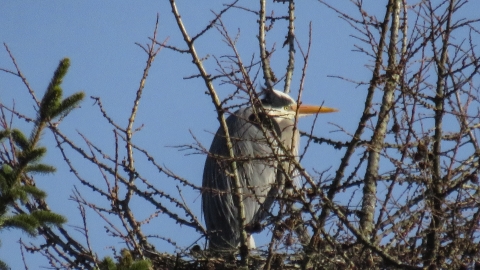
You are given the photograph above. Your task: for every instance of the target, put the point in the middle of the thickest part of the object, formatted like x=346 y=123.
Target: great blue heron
x=257 y=175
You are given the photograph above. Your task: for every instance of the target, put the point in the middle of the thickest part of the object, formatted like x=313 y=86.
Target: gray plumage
x=257 y=170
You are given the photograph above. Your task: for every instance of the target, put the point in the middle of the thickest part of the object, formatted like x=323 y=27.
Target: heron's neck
x=289 y=134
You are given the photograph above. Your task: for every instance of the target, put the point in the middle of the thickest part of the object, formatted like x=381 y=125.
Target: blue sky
x=99 y=38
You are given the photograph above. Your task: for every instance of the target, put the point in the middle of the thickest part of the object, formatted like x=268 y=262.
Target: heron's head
x=279 y=104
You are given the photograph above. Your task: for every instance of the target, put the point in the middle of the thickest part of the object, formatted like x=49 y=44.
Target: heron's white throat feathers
x=287 y=112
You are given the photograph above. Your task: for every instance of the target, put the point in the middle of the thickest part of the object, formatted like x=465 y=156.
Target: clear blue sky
x=99 y=37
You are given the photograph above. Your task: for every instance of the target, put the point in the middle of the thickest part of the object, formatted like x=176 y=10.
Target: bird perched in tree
x=254 y=133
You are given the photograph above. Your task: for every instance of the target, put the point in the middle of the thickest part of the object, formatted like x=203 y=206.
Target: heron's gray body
x=256 y=149
x=257 y=172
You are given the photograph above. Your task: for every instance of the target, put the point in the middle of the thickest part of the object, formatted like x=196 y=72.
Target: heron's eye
x=286 y=108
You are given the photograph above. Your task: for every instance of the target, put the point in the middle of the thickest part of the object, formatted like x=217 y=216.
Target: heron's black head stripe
x=274 y=100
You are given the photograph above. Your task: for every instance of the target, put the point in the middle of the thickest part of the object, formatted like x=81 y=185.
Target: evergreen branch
x=35 y=192
x=68 y=104
x=4 y=134
x=50 y=102
x=20 y=139
x=46 y=218
x=50 y=106
x=15 y=193
x=40 y=168
x=14 y=183
x=25 y=222
x=3 y=266
x=31 y=156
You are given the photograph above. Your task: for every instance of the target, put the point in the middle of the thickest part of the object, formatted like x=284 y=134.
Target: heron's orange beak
x=312 y=109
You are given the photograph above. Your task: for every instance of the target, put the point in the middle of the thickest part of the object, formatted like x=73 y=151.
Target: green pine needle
x=51 y=99
x=4 y=266
x=3 y=181
x=17 y=192
x=20 y=139
x=40 y=168
x=6 y=169
x=51 y=105
x=50 y=102
x=48 y=218
x=4 y=134
x=61 y=71
x=68 y=104
x=141 y=265
x=34 y=192
x=33 y=155
x=25 y=222
x=107 y=264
